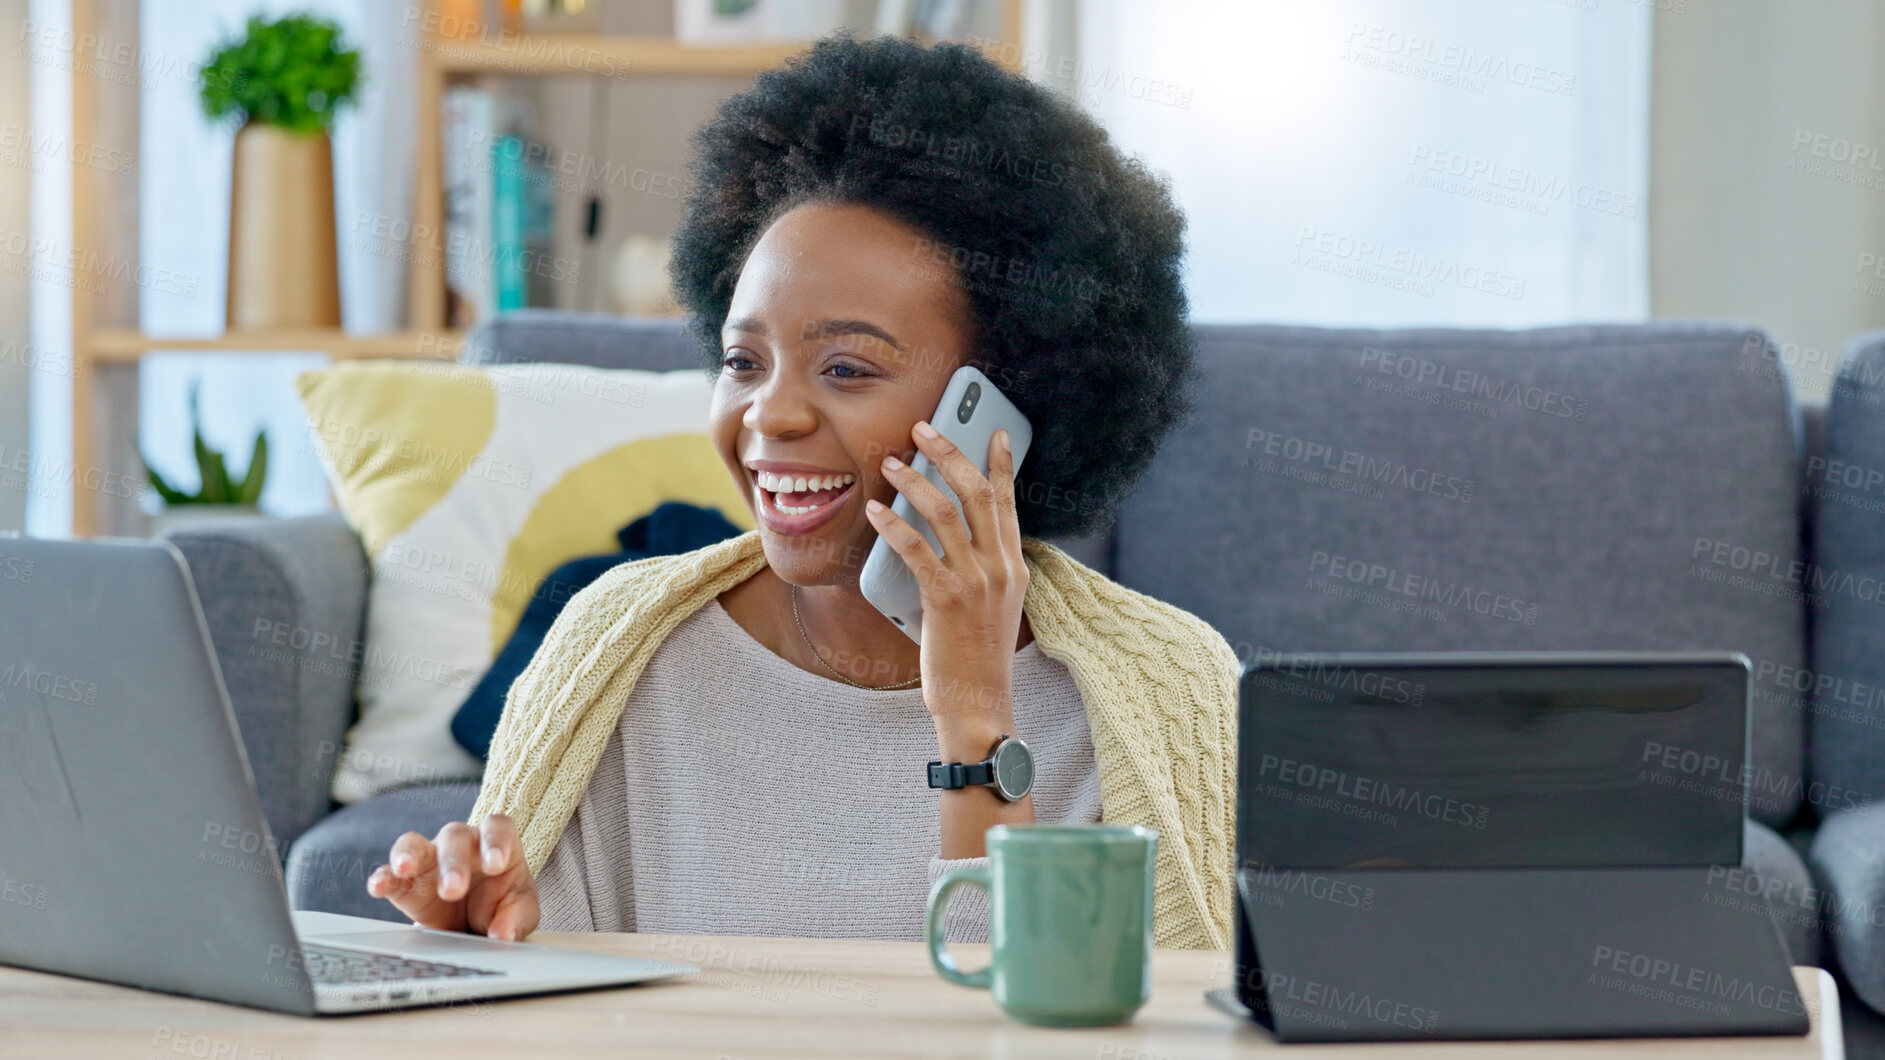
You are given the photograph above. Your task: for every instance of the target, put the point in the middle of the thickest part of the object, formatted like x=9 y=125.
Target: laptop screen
x=1405 y=761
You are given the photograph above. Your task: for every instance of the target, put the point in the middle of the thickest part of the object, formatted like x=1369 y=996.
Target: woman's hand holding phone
x=972 y=594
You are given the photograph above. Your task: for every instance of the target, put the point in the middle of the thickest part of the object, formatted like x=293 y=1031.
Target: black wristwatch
x=1009 y=769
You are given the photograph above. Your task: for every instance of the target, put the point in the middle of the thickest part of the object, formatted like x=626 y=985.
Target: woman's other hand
x=463 y=879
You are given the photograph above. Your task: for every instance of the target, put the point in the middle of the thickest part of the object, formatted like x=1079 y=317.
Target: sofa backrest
x=1845 y=686
x=599 y=340
x=1604 y=487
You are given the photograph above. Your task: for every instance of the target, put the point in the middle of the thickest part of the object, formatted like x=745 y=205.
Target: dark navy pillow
x=672 y=528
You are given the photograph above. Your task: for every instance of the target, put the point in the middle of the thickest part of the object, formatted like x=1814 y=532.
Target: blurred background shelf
x=123 y=344
x=612 y=55
x=607 y=101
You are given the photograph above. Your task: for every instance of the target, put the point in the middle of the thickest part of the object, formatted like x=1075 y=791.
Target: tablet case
x=1432 y=954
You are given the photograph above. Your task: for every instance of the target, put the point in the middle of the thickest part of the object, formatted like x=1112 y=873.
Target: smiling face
x=842 y=333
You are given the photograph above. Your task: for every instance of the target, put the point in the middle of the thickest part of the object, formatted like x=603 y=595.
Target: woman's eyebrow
x=819 y=329
x=828 y=328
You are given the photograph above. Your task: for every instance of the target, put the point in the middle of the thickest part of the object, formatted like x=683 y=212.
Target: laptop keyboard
x=333 y=964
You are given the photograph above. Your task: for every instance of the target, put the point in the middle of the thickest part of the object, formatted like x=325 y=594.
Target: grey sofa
x=1601 y=487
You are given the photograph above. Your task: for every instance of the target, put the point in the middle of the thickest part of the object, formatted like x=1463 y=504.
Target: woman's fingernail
x=923 y=428
x=892 y=463
x=873 y=506
x=1003 y=435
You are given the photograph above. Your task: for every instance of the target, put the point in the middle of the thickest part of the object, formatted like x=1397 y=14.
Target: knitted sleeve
x=1161 y=688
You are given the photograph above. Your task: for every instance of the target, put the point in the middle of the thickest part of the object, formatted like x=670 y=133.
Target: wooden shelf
x=608 y=56
x=124 y=344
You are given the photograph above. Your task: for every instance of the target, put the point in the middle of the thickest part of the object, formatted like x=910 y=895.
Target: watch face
x=1014 y=769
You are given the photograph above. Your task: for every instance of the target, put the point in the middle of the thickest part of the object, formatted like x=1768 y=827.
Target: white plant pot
x=174 y=516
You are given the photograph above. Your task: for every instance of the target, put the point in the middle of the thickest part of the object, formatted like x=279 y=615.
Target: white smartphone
x=970 y=413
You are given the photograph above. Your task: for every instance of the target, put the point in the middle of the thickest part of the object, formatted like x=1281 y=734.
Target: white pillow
x=468 y=486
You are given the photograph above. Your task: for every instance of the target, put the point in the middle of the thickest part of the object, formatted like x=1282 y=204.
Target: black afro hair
x=1068 y=250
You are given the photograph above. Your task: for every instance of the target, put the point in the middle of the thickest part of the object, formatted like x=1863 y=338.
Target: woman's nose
x=779 y=409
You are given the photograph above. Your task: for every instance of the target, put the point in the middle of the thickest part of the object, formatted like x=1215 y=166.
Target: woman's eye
x=733 y=361
x=856 y=372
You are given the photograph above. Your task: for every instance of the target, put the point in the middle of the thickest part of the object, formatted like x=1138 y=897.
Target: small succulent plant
x=218 y=486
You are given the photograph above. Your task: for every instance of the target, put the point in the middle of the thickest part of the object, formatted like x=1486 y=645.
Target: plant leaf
x=215 y=480
x=209 y=463
x=169 y=493
x=251 y=489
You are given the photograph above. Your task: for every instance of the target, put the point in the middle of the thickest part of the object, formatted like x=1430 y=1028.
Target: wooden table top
x=755 y=997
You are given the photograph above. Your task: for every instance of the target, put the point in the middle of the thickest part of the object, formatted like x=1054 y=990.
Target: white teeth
x=781 y=484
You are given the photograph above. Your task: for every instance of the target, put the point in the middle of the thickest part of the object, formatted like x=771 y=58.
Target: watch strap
x=952 y=775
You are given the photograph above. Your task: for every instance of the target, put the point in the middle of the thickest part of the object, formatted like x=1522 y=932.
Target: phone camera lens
x=969 y=398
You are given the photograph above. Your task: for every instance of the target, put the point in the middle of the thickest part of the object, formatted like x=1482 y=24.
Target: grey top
x=763 y=799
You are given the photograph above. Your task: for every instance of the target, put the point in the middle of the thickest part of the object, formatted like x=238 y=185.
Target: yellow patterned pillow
x=468 y=486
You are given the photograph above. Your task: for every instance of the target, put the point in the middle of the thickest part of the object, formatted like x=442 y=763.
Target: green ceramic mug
x=1070 y=922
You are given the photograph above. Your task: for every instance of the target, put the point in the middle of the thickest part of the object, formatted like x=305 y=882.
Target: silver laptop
x=132 y=843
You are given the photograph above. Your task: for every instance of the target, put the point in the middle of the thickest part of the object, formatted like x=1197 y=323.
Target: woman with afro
x=733 y=740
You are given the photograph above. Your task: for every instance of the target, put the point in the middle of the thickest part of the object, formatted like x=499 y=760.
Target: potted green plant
x=219 y=492
x=282 y=83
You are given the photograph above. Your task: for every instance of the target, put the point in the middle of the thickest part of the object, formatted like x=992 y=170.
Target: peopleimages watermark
x=1378 y=576
x=1454 y=65
x=1784 y=900
x=495 y=44
x=1277 y=883
x=102 y=58
x=85 y=270
x=21 y=148
x=1838 y=159
x=1326 y=676
x=962 y=150
x=17 y=568
x=1329 y=1005
x=1772 y=574
x=1398 y=268
x=47 y=683
x=1835 y=697
x=1869 y=280
x=1364 y=791
x=235 y=847
x=204 y=1047
x=1303 y=454
x=1439 y=376
x=19 y=893
x=1516 y=187
x=397 y=239
x=996 y=273
x=1844 y=482
x=1085 y=77
x=1764 y=786
x=760 y=971
x=410 y=458
x=1662 y=979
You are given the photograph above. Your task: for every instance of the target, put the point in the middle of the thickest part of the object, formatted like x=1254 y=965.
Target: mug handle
x=939 y=957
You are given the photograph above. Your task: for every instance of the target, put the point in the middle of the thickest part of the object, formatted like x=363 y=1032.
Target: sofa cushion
x=329 y=865
x=468 y=486
x=1602 y=487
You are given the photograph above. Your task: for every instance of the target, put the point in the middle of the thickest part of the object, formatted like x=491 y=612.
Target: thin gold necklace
x=833 y=669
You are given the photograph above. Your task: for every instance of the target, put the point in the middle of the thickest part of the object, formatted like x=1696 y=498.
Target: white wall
x=17 y=161
x=1478 y=163
x=1767 y=172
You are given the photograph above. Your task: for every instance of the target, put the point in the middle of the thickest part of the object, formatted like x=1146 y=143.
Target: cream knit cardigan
x=1159 y=684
